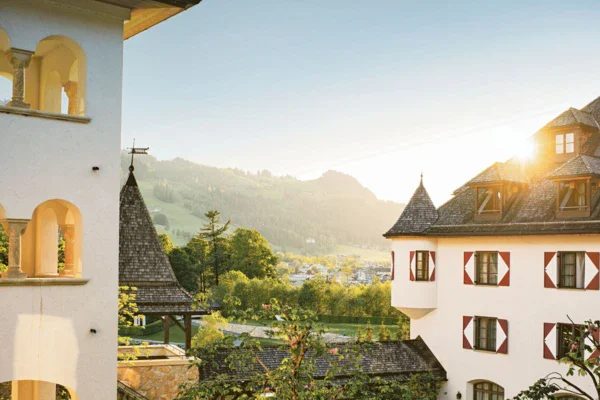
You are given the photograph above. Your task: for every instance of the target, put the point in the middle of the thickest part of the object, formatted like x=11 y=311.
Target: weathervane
x=136 y=150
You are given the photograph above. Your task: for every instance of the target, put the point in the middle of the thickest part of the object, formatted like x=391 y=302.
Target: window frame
x=576 y=210
x=490 y=322
x=478 y=257
x=561 y=347
x=564 y=143
x=560 y=284
x=424 y=265
x=490 y=392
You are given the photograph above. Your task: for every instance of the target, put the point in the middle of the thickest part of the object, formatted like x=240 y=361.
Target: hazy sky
x=380 y=89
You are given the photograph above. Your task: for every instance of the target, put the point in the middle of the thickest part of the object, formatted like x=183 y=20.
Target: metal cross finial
x=136 y=150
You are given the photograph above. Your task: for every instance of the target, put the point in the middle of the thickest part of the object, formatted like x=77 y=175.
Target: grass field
x=176 y=334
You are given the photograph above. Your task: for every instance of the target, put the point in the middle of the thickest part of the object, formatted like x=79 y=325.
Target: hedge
x=342 y=319
x=131 y=331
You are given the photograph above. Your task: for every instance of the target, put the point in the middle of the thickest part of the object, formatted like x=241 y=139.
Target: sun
x=526 y=150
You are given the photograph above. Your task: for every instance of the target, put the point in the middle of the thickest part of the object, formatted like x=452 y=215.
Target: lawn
x=176 y=334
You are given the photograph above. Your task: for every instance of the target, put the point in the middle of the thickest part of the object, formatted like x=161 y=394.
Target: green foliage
x=184 y=269
x=136 y=331
x=250 y=253
x=211 y=330
x=218 y=249
x=334 y=209
x=577 y=364
x=128 y=311
x=384 y=333
x=166 y=243
x=161 y=219
x=295 y=378
x=3 y=250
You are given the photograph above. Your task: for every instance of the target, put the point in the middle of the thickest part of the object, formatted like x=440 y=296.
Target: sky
x=382 y=90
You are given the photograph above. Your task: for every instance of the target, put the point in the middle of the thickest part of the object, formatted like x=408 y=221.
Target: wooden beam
x=187 y=320
x=167 y=326
x=177 y=323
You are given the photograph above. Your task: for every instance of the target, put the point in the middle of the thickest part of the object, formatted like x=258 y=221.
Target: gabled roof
x=582 y=165
x=142 y=261
x=572 y=116
x=392 y=360
x=418 y=215
x=500 y=172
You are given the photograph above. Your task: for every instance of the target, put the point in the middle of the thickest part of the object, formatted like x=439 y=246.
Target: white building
x=60 y=173
x=491 y=278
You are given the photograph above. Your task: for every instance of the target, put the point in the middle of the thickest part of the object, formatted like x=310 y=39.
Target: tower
x=60 y=200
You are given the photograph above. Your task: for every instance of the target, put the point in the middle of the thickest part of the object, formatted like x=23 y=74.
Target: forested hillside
x=334 y=209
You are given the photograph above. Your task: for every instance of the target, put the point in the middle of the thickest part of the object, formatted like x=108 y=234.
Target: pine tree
x=369 y=336
x=213 y=233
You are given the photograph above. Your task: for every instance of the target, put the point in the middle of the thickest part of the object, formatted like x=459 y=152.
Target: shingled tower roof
x=418 y=216
x=142 y=261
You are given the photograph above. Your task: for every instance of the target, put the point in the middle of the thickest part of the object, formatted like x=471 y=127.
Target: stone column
x=15 y=229
x=68 y=233
x=19 y=59
x=71 y=92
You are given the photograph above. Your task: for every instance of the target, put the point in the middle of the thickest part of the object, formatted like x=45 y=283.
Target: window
x=422 y=266
x=488 y=391
x=572 y=195
x=571 y=269
x=485 y=333
x=489 y=200
x=486 y=272
x=565 y=143
x=569 y=334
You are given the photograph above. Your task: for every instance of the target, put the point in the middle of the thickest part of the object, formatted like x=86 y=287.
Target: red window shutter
x=432 y=266
x=550 y=340
x=412 y=266
x=504 y=268
x=591 y=271
x=469 y=265
x=594 y=353
x=502 y=336
x=468 y=331
x=393 y=264
x=550 y=269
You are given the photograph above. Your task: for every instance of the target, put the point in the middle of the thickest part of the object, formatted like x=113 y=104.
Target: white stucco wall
x=45 y=331
x=526 y=304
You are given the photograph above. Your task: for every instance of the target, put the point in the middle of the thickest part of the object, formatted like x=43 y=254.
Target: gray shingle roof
x=501 y=172
x=582 y=165
x=393 y=359
x=572 y=116
x=418 y=215
x=142 y=262
x=530 y=211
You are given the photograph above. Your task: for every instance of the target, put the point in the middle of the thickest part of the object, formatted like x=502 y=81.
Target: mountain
x=334 y=209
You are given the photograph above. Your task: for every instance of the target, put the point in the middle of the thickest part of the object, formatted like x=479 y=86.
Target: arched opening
x=5 y=70
x=59 y=65
x=486 y=390
x=52 y=242
x=35 y=390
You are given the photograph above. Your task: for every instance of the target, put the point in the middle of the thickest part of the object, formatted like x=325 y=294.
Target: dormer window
x=565 y=143
x=488 y=202
x=573 y=198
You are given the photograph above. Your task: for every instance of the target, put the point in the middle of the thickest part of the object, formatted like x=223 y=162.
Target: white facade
x=437 y=307
x=63 y=329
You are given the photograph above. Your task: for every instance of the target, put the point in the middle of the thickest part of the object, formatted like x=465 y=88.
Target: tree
x=198 y=252
x=213 y=233
x=211 y=331
x=161 y=219
x=296 y=377
x=384 y=333
x=184 y=270
x=128 y=311
x=250 y=253
x=583 y=359
x=165 y=241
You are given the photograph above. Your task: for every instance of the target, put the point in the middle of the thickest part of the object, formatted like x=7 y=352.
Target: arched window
x=5 y=70
x=487 y=391
x=60 y=62
x=51 y=245
x=17 y=390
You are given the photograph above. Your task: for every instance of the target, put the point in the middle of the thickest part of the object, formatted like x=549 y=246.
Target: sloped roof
x=390 y=359
x=532 y=210
x=572 y=116
x=582 y=165
x=500 y=172
x=418 y=215
x=142 y=261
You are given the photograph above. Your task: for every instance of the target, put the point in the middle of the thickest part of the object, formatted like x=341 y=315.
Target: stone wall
x=157 y=382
